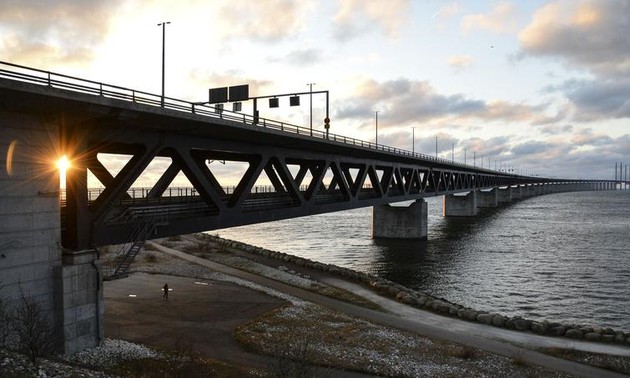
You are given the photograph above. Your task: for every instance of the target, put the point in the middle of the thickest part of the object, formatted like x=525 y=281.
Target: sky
x=541 y=87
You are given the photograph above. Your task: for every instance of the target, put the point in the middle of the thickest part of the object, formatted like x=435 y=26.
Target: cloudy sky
x=541 y=86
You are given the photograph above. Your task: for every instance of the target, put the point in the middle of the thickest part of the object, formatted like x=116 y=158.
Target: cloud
x=447 y=11
x=585 y=34
x=502 y=19
x=357 y=17
x=587 y=138
x=460 y=62
x=300 y=58
x=405 y=101
x=52 y=33
x=596 y=99
x=266 y=21
x=213 y=80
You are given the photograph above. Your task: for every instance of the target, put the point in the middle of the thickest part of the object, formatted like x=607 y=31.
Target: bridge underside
x=302 y=182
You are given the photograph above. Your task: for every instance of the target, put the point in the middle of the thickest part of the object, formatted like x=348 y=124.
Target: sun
x=63 y=164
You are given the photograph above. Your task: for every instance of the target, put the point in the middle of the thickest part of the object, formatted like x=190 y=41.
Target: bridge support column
x=515 y=192
x=488 y=199
x=79 y=300
x=393 y=222
x=33 y=266
x=460 y=206
x=504 y=195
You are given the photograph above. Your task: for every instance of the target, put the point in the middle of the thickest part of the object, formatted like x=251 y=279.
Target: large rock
x=538 y=328
x=574 y=333
x=592 y=336
x=556 y=330
x=522 y=324
x=498 y=320
x=485 y=318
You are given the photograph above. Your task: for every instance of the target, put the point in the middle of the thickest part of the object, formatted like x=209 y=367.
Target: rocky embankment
x=439 y=305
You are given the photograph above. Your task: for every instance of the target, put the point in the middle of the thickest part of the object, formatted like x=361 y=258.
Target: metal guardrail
x=55 y=80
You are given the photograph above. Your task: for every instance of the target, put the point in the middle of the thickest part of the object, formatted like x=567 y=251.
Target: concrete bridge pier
x=460 y=206
x=515 y=192
x=488 y=199
x=504 y=195
x=398 y=222
x=34 y=267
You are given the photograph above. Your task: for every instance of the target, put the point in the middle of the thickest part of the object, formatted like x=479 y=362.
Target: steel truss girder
x=338 y=181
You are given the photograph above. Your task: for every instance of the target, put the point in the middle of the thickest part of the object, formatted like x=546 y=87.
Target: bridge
x=48 y=240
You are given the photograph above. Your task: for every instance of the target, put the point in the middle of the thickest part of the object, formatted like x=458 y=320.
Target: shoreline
x=441 y=306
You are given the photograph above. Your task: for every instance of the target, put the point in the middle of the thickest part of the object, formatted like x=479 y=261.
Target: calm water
x=561 y=257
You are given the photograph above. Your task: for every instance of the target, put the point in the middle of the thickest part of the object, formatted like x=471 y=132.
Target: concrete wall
x=400 y=222
x=31 y=263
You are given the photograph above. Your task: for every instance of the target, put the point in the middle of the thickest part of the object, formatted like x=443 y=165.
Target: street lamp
x=452 y=152
x=163 y=25
x=474 y=158
x=465 y=156
x=436 y=149
x=376 y=124
x=413 y=140
x=311 y=100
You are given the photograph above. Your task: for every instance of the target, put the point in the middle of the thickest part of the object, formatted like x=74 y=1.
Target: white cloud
x=585 y=34
x=357 y=17
x=460 y=62
x=53 y=33
x=502 y=19
x=270 y=20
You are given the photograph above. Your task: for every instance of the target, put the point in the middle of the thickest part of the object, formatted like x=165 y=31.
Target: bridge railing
x=51 y=79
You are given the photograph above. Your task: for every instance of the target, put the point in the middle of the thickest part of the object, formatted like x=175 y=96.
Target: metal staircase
x=119 y=265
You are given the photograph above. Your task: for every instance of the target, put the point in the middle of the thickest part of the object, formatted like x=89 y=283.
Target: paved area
x=197 y=316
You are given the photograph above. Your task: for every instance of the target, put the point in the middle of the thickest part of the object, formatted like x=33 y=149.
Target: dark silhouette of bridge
x=310 y=171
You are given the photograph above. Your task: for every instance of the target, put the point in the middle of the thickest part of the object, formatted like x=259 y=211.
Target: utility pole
x=163 y=25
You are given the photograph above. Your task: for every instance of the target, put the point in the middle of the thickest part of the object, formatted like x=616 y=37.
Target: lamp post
x=163 y=25
x=311 y=102
x=436 y=147
x=465 y=156
x=474 y=158
x=413 y=140
x=376 y=124
x=452 y=152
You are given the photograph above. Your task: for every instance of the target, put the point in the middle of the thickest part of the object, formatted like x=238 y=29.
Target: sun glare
x=63 y=164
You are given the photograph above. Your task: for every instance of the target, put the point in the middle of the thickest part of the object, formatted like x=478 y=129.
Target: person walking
x=165 y=288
